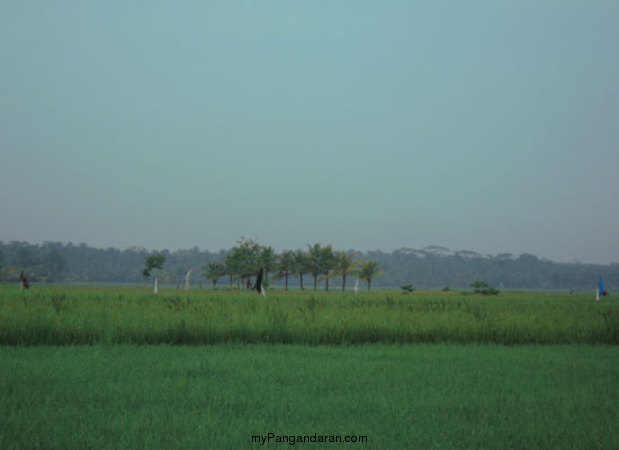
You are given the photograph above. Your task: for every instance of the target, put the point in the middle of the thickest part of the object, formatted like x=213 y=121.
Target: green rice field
x=396 y=396
x=112 y=368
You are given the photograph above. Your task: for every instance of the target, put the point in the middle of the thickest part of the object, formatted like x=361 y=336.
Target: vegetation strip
x=72 y=316
x=430 y=267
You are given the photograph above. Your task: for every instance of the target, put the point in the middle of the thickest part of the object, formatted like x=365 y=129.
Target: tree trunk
x=343 y=282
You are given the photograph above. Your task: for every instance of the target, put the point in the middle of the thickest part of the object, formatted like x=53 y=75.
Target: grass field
x=63 y=316
x=110 y=368
x=398 y=396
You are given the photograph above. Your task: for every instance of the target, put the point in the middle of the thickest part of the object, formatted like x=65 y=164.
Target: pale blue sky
x=481 y=125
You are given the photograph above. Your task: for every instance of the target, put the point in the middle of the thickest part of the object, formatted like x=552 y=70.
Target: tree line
x=321 y=262
x=315 y=265
x=58 y=262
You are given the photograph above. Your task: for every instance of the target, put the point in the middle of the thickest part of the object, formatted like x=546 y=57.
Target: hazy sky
x=481 y=125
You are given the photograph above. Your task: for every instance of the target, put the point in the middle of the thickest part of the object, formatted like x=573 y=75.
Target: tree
x=25 y=259
x=368 y=271
x=313 y=262
x=300 y=266
x=179 y=274
x=229 y=264
x=246 y=259
x=155 y=261
x=267 y=260
x=320 y=261
x=484 y=288
x=284 y=266
x=152 y=262
x=213 y=271
x=327 y=262
x=53 y=263
x=345 y=264
x=407 y=288
x=3 y=270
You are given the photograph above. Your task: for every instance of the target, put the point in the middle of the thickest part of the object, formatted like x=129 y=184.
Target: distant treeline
x=431 y=267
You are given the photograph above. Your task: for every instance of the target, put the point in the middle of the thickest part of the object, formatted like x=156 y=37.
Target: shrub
x=484 y=288
x=407 y=288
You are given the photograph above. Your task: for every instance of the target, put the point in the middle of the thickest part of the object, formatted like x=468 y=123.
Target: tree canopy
x=151 y=262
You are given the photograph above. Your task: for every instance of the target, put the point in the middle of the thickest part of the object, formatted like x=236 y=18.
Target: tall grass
x=69 y=316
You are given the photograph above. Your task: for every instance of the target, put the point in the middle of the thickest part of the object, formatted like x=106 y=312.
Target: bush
x=407 y=288
x=484 y=288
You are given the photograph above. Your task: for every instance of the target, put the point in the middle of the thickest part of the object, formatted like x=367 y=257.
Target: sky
x=479 y=125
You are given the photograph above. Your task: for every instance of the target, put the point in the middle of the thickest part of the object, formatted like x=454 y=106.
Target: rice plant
x=68 y=316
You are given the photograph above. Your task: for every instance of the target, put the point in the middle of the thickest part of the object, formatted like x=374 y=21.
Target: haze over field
x=489 y=126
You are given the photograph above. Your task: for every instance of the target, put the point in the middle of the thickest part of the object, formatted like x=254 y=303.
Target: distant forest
x=428 y=268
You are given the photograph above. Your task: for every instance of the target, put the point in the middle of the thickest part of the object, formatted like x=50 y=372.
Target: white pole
x=187 y=279
x=156 y=285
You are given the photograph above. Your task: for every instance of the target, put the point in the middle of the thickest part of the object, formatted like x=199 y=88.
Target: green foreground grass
x=399 y=396
x=74 y=316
